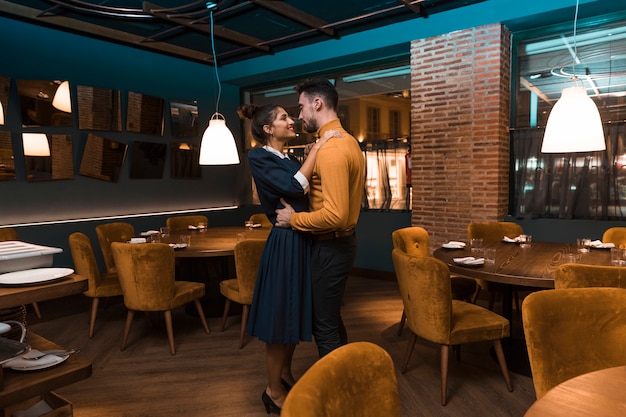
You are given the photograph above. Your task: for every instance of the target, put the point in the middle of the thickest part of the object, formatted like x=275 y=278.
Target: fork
x=36 y=354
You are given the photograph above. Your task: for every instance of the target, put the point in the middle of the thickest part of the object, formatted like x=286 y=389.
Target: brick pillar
x=460 y=99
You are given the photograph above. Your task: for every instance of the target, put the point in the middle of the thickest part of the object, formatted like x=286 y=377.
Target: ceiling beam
x=297 y=15
x=415 y=7
x=101 y=32
x=201 y=26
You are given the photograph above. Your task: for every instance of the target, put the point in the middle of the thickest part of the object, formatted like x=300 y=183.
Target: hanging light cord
x=217 y=76
x=575 y=45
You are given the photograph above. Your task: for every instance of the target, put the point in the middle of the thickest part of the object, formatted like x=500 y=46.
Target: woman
x=280 y=314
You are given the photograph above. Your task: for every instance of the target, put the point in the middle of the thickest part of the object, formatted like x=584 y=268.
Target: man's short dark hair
x=319 y=87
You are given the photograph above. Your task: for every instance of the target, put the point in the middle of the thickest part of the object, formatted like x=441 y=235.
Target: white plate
x=34 y=276
x=47 y=361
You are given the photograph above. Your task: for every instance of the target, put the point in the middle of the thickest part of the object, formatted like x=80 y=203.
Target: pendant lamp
x=1 y=114
x=218 y=145
x=574 y=124
x=61 y=100
x=35 y=144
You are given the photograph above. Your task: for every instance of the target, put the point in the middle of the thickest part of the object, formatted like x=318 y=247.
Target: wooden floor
x=210 y=376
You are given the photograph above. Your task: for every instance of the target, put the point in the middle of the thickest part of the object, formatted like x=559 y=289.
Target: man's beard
x=310 y=127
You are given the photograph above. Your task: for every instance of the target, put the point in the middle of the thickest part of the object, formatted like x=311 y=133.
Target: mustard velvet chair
x=241 y=289
x=433 y=315
x=582 y=276
x=7 y=233
x=260 y=218
x=109 y=233
x=570 y=332
x=99 y=285
x=491 y=233
x=354 y=380
x=146 y=273
x=415 y=241
x=178 y=224
x=615 y=235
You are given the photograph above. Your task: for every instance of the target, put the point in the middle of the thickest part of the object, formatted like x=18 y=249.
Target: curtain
x=385 y=176
x=572 y=185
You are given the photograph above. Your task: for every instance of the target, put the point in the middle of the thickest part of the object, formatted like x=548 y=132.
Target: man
x=335 y=194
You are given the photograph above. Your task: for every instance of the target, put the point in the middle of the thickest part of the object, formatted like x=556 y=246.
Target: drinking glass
x=618 y=257
x=583 y=244
x=525 y=241
x=476 y=245
x=571 y=258
x=490 y=256
x=186 y=239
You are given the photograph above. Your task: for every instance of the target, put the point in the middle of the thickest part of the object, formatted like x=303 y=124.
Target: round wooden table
x=209 y=259
x=596 y=394
x=516 y=266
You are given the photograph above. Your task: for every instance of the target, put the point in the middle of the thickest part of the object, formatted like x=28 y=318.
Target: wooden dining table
x=209 y=259
x=16 y=386
x=532 y=268
x=595 y=394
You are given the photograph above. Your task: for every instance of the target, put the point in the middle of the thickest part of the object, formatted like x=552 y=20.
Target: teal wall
x=32 y=52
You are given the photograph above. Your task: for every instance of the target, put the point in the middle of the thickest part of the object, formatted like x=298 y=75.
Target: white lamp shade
x=35 y=144
x=574 y=124
x=218 y=144
x=1 y=114
x=62 y=99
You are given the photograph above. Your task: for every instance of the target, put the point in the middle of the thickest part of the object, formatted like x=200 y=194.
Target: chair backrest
x=6 y=233
x=616 y=235
x=580 y=276
x=182 y=223
x=146 y=274
x=493 y=232
x=424 y=284
x=85 y=263
x=570 y=332
x=260 y=218
x=411 y=240
x=248 y=255
x=109 y=233
x=355 y=380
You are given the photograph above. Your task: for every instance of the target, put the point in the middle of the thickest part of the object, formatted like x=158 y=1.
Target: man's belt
x=333 y=235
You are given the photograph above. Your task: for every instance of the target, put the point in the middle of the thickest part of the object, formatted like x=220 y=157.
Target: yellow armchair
x=178 y=224
x=355 y=380
x=109 y=233
x=432 y=314
x=580 y=276
x=99 y=285
x=146 y=273
x=415 y=241
x=570 y=332
x=241 y=289
x=616 y=235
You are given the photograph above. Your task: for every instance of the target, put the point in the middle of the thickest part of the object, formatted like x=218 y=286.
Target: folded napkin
x=150 y=233
x=192 y=227
x=600 y=245
x=511 y=240
x=137 y=240
x=469 y=260
x=453 y=244
x=22 y=363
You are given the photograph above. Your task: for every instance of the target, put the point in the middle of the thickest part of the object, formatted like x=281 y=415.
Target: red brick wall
x=460 y=99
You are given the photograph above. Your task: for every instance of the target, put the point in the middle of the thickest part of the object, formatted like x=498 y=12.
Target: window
x=373 y=123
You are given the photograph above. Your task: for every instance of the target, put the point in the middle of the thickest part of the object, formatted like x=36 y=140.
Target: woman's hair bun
x=248 y=110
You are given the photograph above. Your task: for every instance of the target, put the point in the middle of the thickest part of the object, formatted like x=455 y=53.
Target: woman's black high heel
x=270 y=405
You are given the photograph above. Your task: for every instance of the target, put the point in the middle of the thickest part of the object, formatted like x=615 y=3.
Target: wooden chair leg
x=225 y=316
x=497 y=345
x=201 y=315
x=401 y=325
x=244 y=321
x=92 y=317
x=445 y=351
x=170 y=330
x=129 y=320
x=37 y=312
x=408 y=353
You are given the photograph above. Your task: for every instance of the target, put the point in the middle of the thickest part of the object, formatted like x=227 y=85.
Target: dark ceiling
x=242 y=29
